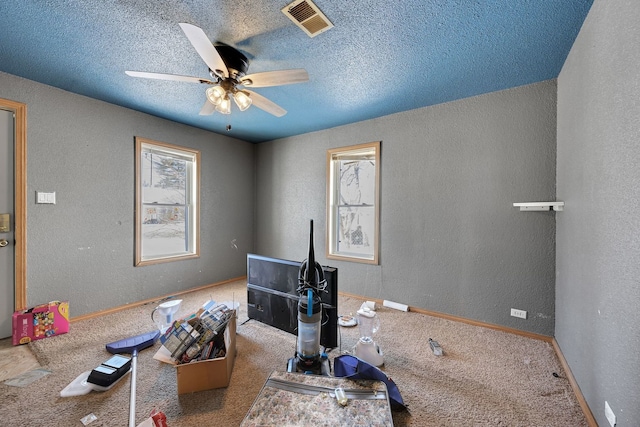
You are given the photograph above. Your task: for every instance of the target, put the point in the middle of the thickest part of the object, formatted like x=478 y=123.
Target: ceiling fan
x=228 y=68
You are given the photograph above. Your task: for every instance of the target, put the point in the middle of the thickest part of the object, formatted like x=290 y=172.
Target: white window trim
x=372 y=148
x=193 y=200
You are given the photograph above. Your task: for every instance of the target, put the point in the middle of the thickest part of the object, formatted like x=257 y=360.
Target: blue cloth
x=351 y=367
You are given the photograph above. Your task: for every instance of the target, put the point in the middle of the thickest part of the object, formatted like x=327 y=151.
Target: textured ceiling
x=380 y=58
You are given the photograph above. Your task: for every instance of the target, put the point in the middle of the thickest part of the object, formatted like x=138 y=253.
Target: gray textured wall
x=82 y=248
x=450 y=239
x=598 y=242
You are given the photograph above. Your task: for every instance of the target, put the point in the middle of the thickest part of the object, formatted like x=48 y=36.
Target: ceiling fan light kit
x=225 y=105
x=242 y=99
x=228 y=68
x=219 y=96
x=215 y=94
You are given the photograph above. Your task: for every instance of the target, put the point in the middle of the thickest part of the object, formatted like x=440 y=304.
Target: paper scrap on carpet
x=27 y=378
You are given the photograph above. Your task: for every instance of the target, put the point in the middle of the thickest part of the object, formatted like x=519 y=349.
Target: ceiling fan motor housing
x=236 y=62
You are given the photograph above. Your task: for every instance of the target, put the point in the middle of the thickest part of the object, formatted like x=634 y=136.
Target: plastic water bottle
x=435 y=347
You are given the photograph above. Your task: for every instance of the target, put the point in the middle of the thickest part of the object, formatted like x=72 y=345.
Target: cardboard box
x=211 y=373
x=41 y=321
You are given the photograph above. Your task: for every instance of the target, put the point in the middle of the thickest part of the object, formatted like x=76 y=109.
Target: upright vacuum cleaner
x=309 y=358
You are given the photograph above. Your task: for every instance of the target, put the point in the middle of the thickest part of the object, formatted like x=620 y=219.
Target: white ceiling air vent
x=307 y=16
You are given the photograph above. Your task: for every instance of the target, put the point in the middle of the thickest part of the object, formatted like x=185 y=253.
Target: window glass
x=352 y=210
x=166 y=202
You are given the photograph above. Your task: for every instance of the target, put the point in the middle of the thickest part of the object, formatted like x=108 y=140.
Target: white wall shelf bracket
x=540 y=206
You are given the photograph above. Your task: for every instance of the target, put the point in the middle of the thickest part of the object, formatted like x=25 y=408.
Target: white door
x=7 y=251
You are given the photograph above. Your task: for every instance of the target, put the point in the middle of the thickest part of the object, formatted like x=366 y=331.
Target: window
x=167 y=202
x=353 y=177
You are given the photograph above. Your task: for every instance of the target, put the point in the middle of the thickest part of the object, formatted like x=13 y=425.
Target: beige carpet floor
x=485 y=378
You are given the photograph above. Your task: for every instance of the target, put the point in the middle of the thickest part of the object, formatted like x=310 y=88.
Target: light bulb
x=224 y=106
x=242 y=99
x=216 y=94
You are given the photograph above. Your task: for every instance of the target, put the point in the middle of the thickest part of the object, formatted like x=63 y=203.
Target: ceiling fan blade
x=205 y=48
x=265 y=104
x=207 y=109
x=275 y=78
x=173 y=77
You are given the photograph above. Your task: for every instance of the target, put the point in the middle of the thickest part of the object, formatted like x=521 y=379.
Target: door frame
x=20 y=196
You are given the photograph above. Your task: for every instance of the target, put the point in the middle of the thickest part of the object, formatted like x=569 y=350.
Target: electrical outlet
x=519 y=313
x=611 y=417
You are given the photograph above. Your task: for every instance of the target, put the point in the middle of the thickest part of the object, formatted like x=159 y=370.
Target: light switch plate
x=46 y=197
